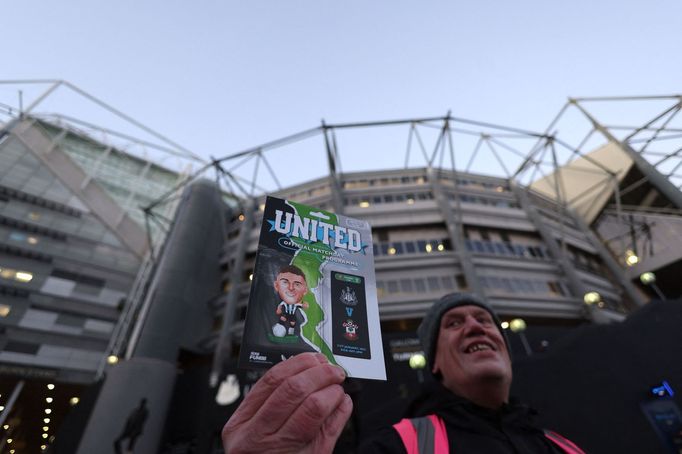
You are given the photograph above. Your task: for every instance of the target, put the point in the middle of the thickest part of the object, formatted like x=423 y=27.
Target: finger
x=271 y=381
x=294 y=391
x=307 y=421
x=333 y=425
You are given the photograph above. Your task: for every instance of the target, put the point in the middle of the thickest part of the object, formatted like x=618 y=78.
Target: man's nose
x=473 y=326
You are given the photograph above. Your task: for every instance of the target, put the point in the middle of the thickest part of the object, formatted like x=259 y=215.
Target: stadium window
x=398 y=246
x=500 y=248
x=406 y=285
x=380 y=288
x=434 y=285
x=487 y=245
x=447 y=282
x=478 y=246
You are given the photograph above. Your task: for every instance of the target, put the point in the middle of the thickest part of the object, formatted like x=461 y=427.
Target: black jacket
x=470 y=428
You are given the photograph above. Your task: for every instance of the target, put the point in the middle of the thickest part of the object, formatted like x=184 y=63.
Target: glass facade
x=64 y=274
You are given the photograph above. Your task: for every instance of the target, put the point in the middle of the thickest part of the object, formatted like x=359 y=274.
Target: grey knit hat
x=430 y=326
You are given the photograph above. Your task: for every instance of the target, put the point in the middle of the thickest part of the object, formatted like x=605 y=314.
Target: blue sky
x=219 y=76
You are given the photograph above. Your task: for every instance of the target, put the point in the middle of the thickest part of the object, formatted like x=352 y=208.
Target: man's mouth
x=479 y=346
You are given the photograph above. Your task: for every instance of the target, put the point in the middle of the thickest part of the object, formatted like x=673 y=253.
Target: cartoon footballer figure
x=291 y=286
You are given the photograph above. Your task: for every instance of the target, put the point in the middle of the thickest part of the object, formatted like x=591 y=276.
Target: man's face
x=290 y=287
x=470 y=349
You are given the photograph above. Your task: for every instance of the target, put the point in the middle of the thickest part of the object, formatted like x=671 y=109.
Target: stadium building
x=553 y=231
x=72 y=242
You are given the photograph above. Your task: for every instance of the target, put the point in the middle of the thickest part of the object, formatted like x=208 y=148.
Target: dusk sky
x=219 y=77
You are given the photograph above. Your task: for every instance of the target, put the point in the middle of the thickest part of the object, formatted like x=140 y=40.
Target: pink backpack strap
x=408 y=434
x=564 y=443
x=425 y=435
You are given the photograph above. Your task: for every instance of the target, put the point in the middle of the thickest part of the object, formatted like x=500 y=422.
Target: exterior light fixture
x=647 y=278
x=591 y=298
x=428 y=248
x=410 y=201
x=48 y=411
x=364 y=204
x=45 y=428
x=46 y=420
x=48 y=400
x=2 y=407
x=517 y=325
x=45 y=435
x=504 y=325
x=6 y=426
x=391 y=251
x=9 y=440
x=50 y=386
x=4 y=310
x=441 y=247
x=241 y=217
x=112 y=359
x=23 y=276
x=251 y=276
x=417 y=361
x=631 y=258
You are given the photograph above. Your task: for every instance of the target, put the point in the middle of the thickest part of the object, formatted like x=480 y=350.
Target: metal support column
x=615 y=269
x=575 y=284
x=453 y=221
x=223 y=349
x=11 y=401
x=334 y=180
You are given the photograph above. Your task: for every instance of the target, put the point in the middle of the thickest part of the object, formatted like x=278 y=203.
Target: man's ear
x=435 y=368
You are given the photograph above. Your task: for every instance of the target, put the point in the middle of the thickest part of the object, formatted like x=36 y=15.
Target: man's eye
x=453 y=323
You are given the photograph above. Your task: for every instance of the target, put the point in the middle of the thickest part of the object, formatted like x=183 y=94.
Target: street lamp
x=648 y=278
x=591 y=298
x=418 y=362
x=518 y=326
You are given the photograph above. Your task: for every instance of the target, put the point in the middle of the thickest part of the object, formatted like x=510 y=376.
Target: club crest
x=348 y=297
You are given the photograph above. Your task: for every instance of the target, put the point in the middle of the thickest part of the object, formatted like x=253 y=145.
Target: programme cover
x=313 y=289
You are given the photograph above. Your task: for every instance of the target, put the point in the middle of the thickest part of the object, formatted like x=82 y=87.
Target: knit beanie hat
x=430 y=326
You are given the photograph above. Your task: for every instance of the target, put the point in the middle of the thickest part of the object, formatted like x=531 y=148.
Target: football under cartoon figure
x=291 y=286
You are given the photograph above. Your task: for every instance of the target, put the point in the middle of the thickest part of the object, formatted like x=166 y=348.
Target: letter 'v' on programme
x=313 y=290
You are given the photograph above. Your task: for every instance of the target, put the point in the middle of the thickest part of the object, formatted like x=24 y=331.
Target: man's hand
x=298 y=406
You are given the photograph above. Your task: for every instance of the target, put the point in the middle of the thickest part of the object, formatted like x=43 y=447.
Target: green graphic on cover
x=310 y=263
